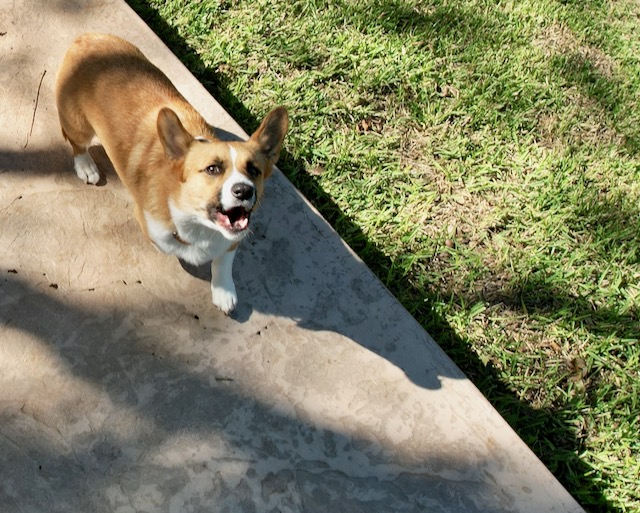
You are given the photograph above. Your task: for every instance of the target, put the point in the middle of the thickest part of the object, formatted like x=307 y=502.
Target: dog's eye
x=254 y=172
x=213 y=169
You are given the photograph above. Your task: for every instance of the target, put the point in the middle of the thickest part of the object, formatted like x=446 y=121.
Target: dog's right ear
x=174 y=137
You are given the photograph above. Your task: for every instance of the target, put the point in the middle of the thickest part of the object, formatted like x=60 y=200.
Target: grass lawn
x=483 y=158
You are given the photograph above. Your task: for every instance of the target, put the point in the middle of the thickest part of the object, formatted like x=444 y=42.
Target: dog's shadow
x=202 y=272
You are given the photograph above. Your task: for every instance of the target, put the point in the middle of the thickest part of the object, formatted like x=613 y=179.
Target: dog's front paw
x=223 y=290
x=225 y=298
x=86 y=168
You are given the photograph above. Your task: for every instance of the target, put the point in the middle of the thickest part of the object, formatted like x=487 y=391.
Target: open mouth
x=235 y=219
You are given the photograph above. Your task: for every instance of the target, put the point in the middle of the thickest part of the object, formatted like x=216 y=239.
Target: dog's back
x=107 y=88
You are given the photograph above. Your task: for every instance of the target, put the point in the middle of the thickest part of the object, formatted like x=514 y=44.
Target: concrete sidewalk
x=122 y=389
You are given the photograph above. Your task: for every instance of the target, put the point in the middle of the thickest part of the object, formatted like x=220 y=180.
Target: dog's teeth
x=242 y=223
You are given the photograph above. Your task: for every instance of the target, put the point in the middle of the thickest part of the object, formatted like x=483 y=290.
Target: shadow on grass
x=607 y=223
x=545 y=431
x=607 y=91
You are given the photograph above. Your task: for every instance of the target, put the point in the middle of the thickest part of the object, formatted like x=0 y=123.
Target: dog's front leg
x=223 y=290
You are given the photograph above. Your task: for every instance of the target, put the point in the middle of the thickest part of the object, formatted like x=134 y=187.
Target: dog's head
x=221 y=182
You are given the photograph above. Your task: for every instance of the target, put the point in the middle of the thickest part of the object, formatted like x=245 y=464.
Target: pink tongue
x=223 y=220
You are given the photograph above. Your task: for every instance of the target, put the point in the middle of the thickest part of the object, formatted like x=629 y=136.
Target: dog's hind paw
x=86 y=168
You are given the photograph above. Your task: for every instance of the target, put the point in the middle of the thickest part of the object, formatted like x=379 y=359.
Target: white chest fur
x=196 y=243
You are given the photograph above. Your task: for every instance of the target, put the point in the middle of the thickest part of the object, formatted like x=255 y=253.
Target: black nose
x=242 y=191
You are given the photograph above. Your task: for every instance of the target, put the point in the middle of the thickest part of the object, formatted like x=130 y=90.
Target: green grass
x=483 y=159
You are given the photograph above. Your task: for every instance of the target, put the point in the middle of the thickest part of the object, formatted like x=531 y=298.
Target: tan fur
x=107 y=88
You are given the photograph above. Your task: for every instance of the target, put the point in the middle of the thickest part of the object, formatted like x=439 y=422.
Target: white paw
x=224 y=297
x=86 y=168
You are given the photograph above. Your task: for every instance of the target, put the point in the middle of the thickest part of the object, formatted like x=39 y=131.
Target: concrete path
x=123 y=390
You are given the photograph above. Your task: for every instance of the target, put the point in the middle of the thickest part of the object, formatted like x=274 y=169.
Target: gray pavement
x=122 y=389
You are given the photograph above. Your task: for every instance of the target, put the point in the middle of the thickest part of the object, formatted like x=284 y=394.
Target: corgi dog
x=194 y=194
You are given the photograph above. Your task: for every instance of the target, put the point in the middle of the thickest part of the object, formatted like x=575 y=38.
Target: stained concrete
x=122 y=389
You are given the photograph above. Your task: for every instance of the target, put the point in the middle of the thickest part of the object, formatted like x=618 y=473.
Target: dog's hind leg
x=80 y=137
x=86 y=168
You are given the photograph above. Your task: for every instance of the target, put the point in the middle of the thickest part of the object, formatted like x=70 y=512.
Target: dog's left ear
x=271 y=132
x=174 y=137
